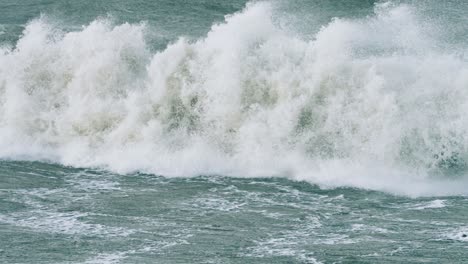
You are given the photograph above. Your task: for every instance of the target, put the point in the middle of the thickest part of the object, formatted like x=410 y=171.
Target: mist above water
x=377 y=102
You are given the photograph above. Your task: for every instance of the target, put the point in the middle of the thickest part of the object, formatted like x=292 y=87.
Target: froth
x=371 y=103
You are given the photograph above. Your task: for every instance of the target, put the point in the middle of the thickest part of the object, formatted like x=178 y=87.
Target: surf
x=377 y=102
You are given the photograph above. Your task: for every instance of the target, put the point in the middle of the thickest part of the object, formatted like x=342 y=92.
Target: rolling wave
x=376 y=102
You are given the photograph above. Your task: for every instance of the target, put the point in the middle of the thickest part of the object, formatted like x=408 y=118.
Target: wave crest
x=372 y=103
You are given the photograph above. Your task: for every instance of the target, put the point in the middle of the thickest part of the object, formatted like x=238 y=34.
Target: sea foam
x=377 y=102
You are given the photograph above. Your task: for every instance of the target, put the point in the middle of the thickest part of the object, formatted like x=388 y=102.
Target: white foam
x=460 y=234
x=431 y=205
x=369 y=103
x=107 y=258
x=62 y=223
x=371 y=229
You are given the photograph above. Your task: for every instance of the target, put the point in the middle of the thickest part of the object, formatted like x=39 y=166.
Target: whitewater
x=377 y=102
x=211 y=131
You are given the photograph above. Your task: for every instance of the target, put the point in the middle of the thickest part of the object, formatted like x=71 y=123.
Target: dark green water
x=211 y=131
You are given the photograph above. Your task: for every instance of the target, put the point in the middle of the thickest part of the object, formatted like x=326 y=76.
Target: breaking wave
x=377 y=102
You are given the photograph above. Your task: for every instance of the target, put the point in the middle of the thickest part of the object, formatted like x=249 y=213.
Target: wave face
x=378 y=102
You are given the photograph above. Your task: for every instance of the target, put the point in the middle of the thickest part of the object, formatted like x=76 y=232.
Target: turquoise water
x=233 y=132
x=54 y=214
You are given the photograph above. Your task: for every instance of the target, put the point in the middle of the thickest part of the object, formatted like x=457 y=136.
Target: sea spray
x=376 y=102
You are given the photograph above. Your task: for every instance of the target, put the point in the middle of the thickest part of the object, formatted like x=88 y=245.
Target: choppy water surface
x=213 y=131
x=56 y=214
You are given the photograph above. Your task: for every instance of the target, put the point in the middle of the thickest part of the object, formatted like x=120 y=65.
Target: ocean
x=209 y=131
